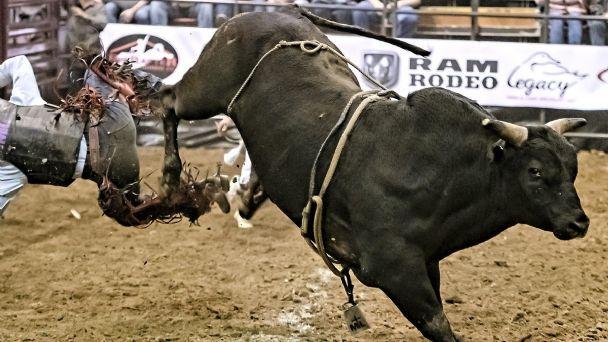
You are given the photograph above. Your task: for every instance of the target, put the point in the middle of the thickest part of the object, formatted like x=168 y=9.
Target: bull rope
x=368 y=97
x=312 y=47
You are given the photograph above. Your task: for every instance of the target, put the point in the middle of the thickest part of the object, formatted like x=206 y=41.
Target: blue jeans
x=227 y=10
x=406 y=23
x=160 y=11
x=270 y=9
x=404 y=28
x=597 y=32
x=556 y=30
x=340 y=15
x=142 y=16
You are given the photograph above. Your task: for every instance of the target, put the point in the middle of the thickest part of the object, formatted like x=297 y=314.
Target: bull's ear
x=562 y=126
x=496 y=152
x=511 y=133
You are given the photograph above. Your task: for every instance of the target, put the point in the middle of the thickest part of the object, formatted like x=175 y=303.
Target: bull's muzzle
x=573 y=229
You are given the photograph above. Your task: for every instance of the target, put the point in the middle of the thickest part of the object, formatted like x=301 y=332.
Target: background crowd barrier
x=490 y=72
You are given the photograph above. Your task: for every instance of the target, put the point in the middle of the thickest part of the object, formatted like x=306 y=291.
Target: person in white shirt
x=18 y=72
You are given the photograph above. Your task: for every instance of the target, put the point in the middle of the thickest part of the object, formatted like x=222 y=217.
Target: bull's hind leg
x=172 y=165
x=405 y=279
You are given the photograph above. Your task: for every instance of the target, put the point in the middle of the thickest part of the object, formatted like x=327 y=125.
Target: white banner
x=492 y=73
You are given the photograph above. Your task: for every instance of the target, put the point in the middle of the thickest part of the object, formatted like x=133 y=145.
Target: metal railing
x=474 y=15
x=392 y=12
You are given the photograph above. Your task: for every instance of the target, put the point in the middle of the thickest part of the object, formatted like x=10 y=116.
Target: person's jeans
x=556 y=30
x=159 y=13
x=340 y=15
x=203 y=13
x=142 y=16
x=227 y=10
x=270 y=9
x=406 y=23
x=224 y=10
x=405 y=26
x=366 y=19
x=597 y=32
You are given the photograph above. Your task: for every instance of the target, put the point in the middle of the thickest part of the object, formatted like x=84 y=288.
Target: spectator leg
x=203 y=13
x=251 y=8
x=597 y=32
x=270 y=9
x=344 y=16
x=142 y=16
x=222 y=13
x=363 y=18
x=159 y=13
x=259 y=8
x=575 y=30
x=321 y=12
x=112 y=12
x=406 y=23
x=556 y=31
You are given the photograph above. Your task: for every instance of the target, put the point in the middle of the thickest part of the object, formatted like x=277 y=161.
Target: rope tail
x=320 y=21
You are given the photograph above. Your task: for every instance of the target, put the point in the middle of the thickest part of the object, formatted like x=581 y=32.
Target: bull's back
x=226 y=61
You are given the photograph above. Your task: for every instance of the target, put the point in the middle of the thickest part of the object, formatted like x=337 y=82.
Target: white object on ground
x=75 y=213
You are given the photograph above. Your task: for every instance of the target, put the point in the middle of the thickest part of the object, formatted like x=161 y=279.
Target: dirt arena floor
x=63 y=279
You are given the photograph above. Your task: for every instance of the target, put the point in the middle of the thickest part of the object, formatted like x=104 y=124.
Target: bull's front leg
x=435 y=278
x=172 y=165
x=405 y=280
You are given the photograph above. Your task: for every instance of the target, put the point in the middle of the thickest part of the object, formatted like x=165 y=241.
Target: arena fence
x=30 y=27
x=473 y=14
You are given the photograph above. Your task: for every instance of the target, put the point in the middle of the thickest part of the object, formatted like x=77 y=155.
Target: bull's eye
x=534 y=171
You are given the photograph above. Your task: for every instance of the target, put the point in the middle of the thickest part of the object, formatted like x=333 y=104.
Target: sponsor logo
x=453 y=73
x=382 y=66
x=147 y=52
x=542 y=74
x=603 y=75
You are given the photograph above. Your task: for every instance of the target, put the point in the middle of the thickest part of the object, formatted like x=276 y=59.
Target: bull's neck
x=486 y=215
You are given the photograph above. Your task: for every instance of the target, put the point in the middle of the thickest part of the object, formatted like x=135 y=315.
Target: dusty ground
x=91 y=280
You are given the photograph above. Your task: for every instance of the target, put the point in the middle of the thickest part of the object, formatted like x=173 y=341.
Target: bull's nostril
x=582 y=222
x=575 y=226
x=583 y=219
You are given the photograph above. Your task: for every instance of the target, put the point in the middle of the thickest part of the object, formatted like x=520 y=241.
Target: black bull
x=420 y=177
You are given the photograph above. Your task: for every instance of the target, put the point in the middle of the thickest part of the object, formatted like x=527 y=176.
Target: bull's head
x=543 y=167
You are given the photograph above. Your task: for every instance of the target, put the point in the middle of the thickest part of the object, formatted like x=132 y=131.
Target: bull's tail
x=320 y=21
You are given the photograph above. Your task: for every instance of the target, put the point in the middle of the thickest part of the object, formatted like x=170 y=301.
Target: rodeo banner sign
x=492 y=73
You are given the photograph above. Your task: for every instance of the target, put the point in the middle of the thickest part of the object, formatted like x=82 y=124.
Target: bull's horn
x=562 y=126
x=513 y=134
